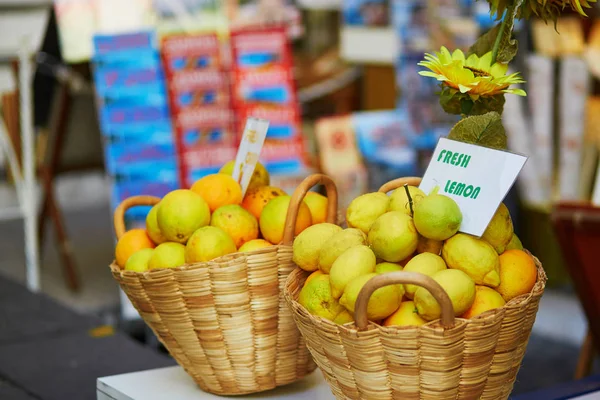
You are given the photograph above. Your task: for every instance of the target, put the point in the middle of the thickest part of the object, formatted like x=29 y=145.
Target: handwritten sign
x=477 y=178
x=248 y=153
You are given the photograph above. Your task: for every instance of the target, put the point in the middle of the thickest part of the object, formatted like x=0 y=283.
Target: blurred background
x=94 y=110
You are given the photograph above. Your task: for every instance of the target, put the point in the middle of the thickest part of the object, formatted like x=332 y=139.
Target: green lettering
x=468 y=190
x=441 y=154
x=459 y=159
x=459 y=189
x=452 y=187
x=465 y=161
x=447 y=184
x=447 y=157
x=454 y=157
x=475 y=192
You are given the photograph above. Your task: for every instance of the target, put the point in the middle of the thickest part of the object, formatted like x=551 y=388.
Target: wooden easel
x=47 y=171
x=577 y=226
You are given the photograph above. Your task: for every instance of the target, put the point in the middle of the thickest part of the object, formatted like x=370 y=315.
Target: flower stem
x=496 y=47
x=410 y=200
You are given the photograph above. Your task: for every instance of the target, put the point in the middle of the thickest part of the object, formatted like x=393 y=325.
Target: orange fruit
x=254 y=245
x=257 y=198
x=486 y=299
x=518 y=274
x=236 y=222
x=272 y=218
x=406 y=315
x=131 y=242
x=218 y=190
x=317 y=203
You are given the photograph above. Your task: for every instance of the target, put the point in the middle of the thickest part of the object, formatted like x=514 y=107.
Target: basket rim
x=435 y=325
x=227 y=258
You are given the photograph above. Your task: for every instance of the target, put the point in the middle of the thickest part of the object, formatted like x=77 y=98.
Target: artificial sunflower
x=544 y=9
x=473 y=76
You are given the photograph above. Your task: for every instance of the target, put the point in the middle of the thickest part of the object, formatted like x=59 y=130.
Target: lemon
x=437 y=217
x=316 y=297
x=383 y=302
x=399 y=199
x=260 y=176
x=180 y=213
x=344 y=317
x=499 y=231
x=393 y=236
x=515 y=243
x=167 y=255
x=208 y=243
x=337 y=244
x=138 y=261
x=476 y=257
x=308 y=243
x=459 y=287
x=356 y=261
x=365 y=209
x=386 y=267
x=152 y=226
x=426 y=264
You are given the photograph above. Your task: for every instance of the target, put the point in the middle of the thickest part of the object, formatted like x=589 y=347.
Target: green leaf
x=487 y=104
x=508 y=45
x=484 y=130
x=449 y=101
x=454 y=102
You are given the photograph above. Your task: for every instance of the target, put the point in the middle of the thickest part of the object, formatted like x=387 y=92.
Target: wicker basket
x=450 y=358
x=224 y=321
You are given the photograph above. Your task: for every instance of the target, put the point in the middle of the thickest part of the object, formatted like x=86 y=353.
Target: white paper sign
x=248 y=153
x=477 y=178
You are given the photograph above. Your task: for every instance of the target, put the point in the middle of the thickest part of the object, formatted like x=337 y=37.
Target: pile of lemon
x=212 y=219
x=410 y=231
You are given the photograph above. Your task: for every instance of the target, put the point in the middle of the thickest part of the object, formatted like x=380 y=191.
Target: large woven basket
x=450 y=358
x=224 y=321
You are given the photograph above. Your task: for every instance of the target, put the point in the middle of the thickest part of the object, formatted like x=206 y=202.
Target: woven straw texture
x=475 y=359
x=224 y=321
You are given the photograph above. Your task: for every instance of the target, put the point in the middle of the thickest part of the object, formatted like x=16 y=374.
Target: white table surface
x=173 y=383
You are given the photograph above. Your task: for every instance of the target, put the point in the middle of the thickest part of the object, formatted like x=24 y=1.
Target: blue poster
x=366 y=13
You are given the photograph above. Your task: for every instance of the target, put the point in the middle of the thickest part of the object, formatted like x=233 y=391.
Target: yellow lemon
x=459 y=287
x=383 y=302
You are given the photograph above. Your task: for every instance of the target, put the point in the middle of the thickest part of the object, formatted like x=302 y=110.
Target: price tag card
x=477 y=178
x=248 y=153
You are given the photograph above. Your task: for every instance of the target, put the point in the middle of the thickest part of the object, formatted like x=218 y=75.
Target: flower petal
x=463 y=89
x=498 y=69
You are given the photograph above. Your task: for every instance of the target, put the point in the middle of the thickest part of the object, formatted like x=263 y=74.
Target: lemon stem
x=410 y=200
x=496 y=47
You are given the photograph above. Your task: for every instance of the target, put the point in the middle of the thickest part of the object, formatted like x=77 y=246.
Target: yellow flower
x=475 y=76
x=545 y=9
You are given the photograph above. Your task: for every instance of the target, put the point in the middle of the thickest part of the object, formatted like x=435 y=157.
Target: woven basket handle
x=396 y=183
x=393 y=278
x=119 y=217
x=298 y=196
